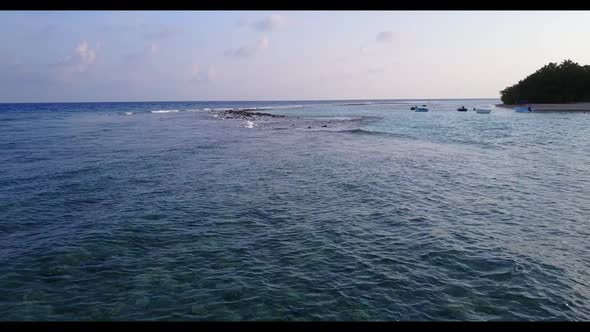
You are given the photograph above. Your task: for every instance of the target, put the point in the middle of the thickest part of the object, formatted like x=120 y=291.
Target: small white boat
x=422 y=108
x=524 y=109
x=480 y=110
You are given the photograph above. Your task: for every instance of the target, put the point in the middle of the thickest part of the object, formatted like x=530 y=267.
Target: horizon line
x=228 y=101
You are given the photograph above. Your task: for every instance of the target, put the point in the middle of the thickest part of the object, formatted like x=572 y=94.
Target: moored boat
x=480 y=110
x=422 y=108
x=524 y=109
x=462 y=109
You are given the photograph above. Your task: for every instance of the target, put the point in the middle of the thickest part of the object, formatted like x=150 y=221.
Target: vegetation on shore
x=554 y=83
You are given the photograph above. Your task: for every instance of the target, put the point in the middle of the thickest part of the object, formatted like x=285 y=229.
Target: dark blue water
x=340 y=211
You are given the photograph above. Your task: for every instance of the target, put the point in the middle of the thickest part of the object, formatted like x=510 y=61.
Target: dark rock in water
x=246 y=114
x=324 y=126
x=308 y=127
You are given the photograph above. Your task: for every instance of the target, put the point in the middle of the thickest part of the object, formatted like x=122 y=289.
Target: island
x=554 y=87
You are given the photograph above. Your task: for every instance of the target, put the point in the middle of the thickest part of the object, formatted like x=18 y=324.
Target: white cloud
x=79 y=62
x=246 y=51
x=140 y=56
x=376 y=70
x=160 y=33
x=154 y=48
x=85 y=53
x=199 y=74
x=262 y=44
x=51 y=76
x=385 y=37
x=44 y=32
x=147 y=31
x=269 y=23
x=242 y=22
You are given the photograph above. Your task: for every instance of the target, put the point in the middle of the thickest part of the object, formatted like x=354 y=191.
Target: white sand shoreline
x=565 y=107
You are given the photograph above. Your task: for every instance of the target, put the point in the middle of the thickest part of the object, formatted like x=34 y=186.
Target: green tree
x=553 y=83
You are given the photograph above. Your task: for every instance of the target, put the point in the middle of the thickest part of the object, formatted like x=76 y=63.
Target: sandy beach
x=567 y=107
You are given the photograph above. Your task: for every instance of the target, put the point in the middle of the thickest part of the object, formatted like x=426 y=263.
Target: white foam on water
x=277 y=107
x=129 y=113
x=335 y=118
x=254 y=108
x=165 y=111
x=250 y=124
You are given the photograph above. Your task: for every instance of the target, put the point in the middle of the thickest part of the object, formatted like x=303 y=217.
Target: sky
x=82 y=56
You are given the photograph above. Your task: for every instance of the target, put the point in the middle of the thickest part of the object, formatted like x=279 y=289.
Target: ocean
x=329 y=210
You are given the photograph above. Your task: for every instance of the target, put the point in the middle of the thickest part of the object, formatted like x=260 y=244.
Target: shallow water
x=111 y=211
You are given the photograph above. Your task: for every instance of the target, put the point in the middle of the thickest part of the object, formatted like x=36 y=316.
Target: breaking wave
x=165 y=111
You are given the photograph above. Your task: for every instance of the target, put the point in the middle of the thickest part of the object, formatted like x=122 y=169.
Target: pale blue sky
x=254 y=55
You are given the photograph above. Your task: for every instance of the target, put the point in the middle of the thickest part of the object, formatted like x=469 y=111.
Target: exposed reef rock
x=245 y=113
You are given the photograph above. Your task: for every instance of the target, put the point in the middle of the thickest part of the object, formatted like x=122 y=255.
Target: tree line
x=554 y=83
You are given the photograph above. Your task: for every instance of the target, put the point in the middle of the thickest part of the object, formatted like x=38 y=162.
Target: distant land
x=554 y=87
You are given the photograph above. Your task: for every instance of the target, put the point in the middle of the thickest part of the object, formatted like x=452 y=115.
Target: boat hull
x=523 y=110
x=483 y=111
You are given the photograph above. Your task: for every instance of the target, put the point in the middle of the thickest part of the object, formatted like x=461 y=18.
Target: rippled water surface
x=339 y=211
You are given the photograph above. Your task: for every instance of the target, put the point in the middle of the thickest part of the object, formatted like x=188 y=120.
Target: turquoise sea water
x=342 y=210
